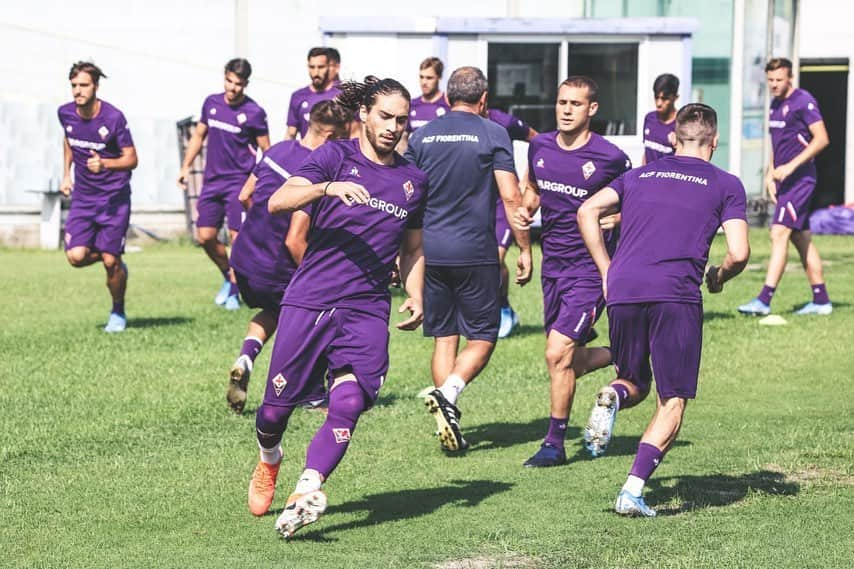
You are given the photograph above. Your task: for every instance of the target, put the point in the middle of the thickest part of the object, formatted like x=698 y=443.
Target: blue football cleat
x=116 y=323
x=813 y=308
x=509 y=320
x=223 y=294
x=548 y=455
x=232 y=302
x=755 y=308
x=628 y=505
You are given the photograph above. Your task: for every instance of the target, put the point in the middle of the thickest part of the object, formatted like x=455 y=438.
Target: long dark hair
x=354 y=94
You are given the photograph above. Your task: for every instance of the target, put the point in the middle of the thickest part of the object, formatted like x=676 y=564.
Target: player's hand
x=523 y=268
x=183 y=176
x=610 y=221
x=416 y=314
x=348 y=192
x=245 y=200
x=771 y=188
x=522 y=220
x=65 y=186
x=605 y=286
x=713 y=280
x=94 y=163
x=782 y=172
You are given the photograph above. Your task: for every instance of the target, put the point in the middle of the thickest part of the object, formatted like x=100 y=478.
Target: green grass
x=118 y=451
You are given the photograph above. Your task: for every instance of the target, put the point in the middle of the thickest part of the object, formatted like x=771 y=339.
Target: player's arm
x=298 y=192
x=66 y=185
x=511 y=197
x=245 y=196
x=127 y=160
x=193 y=149
x=297 y=238
x=819 y=142
x=524 y=215
x=737 y=255
x=531 y=134
x=263 y=142
x=412 y=277
x=291 y=133
x=604 y=202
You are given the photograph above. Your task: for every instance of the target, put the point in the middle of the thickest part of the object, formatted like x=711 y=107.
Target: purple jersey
x=565 y=179
x=106 y=133
x=421 y=112
x=656 y=141
x=302 y=101
x=232 y=134
x=516 y=127
x=789 y=125
x=351 y=250
x=259 y=250
x=671 y=211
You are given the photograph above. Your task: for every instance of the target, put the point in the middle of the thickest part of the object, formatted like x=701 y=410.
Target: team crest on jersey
x=587 y=169
x=785 y=110
x=68 y=128
x=213 y=111
x=279 y=382
x=241 y=118
x=103 y=131
x=354 y=172
x=412 y=112
x=810 y=106
x=304 y=104
x=646 y=131
x=341 y=435
x=541 y=163
x=440 y=111
x=408 y=190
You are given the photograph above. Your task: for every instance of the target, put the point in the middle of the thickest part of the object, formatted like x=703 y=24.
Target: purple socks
x=646 y=461
x=819 y=294
x=119 y=308
x=557 y=432
x=251 y=347
x=622 y=394
x=766 y=294
x=327 y=448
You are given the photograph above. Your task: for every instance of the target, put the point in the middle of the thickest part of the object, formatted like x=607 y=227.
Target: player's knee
x=559 y=353
x=111 y=263
x=270 y=422
x=76 y=256
x=780 y=233
x=206 y=237
x=673 y=408
x=347 y=401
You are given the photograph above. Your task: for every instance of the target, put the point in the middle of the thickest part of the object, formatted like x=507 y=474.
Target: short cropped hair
x=466 y=85
x=433 y=63
x=779 y=63
x=582 y=81
x=317 y=52
x=240 y=67
x=86 y=67
x=330 y=113
x=666 y=84
x=698 y=123
x=333 y=55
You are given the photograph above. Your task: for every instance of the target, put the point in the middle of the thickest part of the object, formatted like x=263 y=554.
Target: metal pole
x=736 y=82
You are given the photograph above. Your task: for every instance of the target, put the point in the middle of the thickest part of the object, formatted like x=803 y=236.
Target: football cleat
x=232 y=302
x=600 y=425
x=813 y=308
x=755 y=308
x=300 y=510
x=628 y=505
x=224 y=292
x=262 y=487
x=238 y=382
x=548 y=455
x=447 y=418
x=116 y=323
x=509 y=320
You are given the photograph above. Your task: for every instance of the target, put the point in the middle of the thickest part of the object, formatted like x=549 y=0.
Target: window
x=523 y=81
x=614 y=66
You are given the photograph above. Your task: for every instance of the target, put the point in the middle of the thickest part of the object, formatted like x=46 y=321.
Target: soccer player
x=366 y=204
x=518 y=130
x=658 y=125
x=469 y=161
x=671 y=210
x=262 y=265
x=323 y=87
x=566 y=168
x=334 y=64
x=431 y=104
x=797 y=136
x=99 y=144
x=235 y=126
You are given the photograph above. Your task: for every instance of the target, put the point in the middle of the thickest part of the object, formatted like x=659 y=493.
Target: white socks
x=308 y=482
x=452 y=388
x=271 y=455
x=634 y=485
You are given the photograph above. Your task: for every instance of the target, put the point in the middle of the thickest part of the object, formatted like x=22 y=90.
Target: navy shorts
x=462 y=300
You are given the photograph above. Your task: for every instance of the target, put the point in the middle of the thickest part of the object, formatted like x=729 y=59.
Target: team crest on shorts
x=341 y=435
x=103 y=131
x=241 y=118
x=279 y=383
x=408 y=189
x=587 y=169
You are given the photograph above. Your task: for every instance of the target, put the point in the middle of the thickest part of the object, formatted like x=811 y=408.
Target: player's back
x=459 y=152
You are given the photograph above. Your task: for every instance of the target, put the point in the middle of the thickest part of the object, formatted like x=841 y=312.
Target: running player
x=262 y=265
x=671 y=210
x=658 y=125
x=468 y=160
x=366 y=203
x=565 y=168
x=99 y=144
x=323 y=87
x=235 y=126
x=518 y=130
x=797 y=136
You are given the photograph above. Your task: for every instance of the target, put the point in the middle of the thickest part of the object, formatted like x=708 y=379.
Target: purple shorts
x=793 y=203
x=670 y=333
x=260 y=293
x=98 y=226
x=462 y=301
x=503 y=233
x=218 y=200
x=572 y=306
x=309 y=342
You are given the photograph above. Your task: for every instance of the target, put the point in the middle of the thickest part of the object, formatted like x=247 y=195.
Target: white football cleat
x=300 y=510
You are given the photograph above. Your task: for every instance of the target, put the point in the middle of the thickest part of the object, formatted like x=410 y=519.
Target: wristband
x=326 y=187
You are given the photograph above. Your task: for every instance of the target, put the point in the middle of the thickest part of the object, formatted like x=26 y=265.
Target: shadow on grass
x=715 y=490
x=717 y=315
x=503 y=435
x=399 y=505
x=158 y=321
x=836 y=305
x=620 y=445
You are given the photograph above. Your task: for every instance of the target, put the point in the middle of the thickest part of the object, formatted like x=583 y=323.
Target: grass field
x=118 y=451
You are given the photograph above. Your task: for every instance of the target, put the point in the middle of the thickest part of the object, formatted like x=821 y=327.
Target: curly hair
x=354 y=94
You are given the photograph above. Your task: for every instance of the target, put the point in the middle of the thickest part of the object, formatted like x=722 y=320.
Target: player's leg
x=811 y=261
x=117 y=278
x=211 y=213
x=82 y=257
x=80 y=231
x=509 y=318
x=235 y=214
x=445 y=350
x=761 y=305
x=113 y=224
